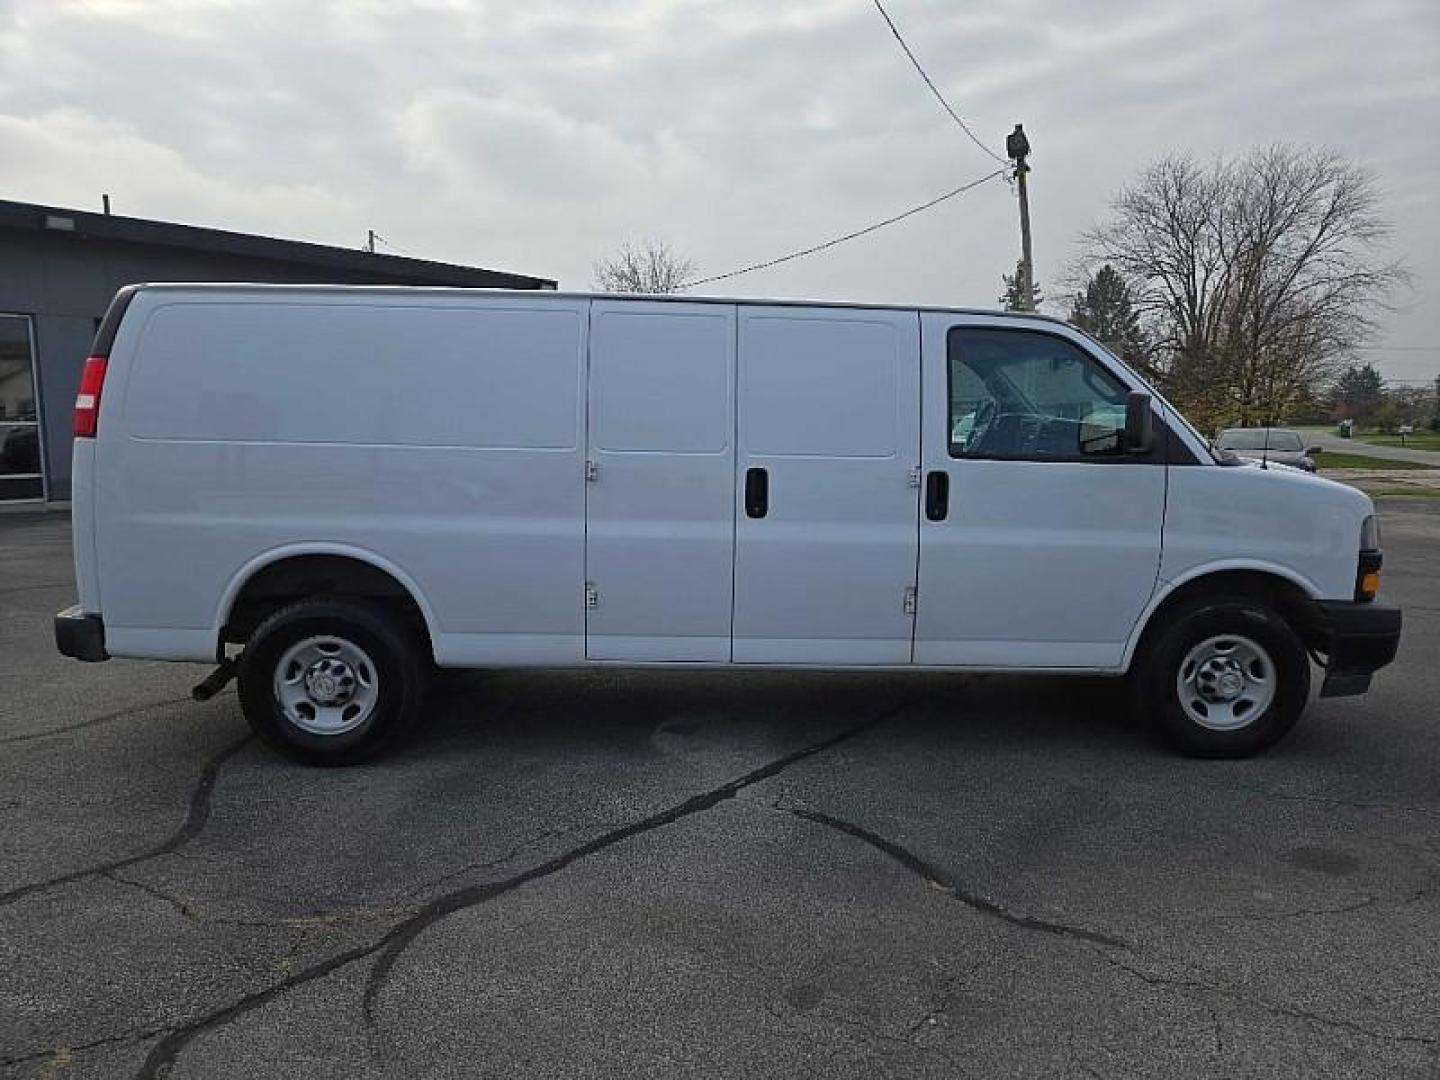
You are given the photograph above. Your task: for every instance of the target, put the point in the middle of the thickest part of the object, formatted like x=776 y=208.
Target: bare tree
x=653 y=268
x=1258 y=276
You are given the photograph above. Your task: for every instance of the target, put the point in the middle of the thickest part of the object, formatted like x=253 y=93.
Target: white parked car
x=328 y=489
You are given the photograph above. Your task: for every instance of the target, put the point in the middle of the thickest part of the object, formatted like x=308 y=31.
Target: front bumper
x=80 y=635
x=1358 y=640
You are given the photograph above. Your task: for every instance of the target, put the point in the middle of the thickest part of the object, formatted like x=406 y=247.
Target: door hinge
x=915 y=477
x=592 y=596
x=910 y=600
x=592 y=471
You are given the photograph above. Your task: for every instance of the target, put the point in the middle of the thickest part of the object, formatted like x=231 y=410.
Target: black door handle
x=937 y=495
x=757 y=493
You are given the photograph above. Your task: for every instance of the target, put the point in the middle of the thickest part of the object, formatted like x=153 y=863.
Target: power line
x=851 y=235
x=933 y=88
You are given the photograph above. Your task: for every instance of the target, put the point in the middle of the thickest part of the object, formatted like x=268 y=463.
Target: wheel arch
x=1285 y=590
x=293 y=571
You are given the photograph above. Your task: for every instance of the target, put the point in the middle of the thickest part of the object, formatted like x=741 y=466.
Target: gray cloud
x=538 y=136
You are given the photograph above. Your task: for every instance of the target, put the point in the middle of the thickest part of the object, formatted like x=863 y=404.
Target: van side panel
x=660 y=514
x=1268 y=518
x=442 y=434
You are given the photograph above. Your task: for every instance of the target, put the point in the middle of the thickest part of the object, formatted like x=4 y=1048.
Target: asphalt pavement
x=664 y=874
x=1336 y=445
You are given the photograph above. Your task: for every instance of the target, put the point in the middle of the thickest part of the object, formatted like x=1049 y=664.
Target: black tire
x=1156 y=682
x=398 y=679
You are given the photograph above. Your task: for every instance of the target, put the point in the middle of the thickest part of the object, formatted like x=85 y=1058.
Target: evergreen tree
x=1358 y=393
x=1011 y=298
x=1106 y=310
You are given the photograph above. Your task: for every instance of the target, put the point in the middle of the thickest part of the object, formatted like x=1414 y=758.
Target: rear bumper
x=1358 y=640
x=80 y=635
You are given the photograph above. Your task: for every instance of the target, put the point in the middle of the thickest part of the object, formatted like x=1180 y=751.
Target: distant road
x=1356 y=446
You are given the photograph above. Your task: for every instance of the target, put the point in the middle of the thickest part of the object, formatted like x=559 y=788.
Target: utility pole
x=370 y=242
x=1017 y=146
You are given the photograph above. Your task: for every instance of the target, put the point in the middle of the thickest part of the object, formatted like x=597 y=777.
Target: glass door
x=21 y=471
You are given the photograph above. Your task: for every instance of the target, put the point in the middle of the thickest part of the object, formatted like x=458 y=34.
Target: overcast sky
x=536 y=136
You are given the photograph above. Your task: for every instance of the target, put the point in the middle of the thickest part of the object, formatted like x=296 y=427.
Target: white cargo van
x=346 y=485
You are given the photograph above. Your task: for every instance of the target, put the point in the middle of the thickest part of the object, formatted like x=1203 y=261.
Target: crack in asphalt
x=394 y=942
x=317 y=920
x=938 y=879
x=119 y=714
x=93 y=1044
x=1217 y=1027
x=1302 y=913
x=164 y=1053
x=488 y=864
x=1196 y=986
x=399 y=939
x=196 y=815
x=176 y=902
x=1320 y=800
x=867 y=1032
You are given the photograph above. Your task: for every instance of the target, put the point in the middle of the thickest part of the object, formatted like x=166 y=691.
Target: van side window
x=1031 y=396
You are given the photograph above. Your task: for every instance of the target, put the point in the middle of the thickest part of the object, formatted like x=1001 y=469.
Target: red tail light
x=87 y=399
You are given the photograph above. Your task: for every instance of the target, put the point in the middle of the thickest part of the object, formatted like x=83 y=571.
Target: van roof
x=534 y=296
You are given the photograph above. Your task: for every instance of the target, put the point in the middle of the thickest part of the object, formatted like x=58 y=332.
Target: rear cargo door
x=660 y=525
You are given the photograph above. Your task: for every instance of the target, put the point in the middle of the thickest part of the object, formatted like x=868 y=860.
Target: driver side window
x=1031 y=396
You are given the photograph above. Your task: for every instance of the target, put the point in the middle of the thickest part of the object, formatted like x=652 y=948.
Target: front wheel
x=331 y=682
x=1223 y=678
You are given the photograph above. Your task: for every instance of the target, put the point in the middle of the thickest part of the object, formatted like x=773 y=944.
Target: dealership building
x=58 y=271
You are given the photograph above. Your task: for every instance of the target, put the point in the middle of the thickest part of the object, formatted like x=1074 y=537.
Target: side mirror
x=1139 y=423
x=1312 y=451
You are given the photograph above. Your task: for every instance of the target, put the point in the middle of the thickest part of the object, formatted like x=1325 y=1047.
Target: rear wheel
x=1223 y=677
x=331 y=682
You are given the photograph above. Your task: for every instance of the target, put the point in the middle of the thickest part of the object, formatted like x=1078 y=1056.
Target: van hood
x=1304 y=484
